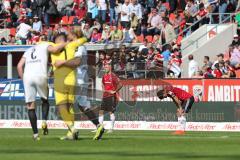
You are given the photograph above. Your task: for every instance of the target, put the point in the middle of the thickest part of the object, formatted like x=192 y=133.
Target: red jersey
x=179 y=93
x=110 y=83
x=217 y=73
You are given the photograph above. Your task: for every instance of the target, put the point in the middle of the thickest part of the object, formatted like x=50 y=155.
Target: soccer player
x=34 y=78
x=80 y=62
x=65 y=79
x=111 y=86
x=183 y=101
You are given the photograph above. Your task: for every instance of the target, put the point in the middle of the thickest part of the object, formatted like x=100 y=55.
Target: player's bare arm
x=176 y=101
x=20 y=67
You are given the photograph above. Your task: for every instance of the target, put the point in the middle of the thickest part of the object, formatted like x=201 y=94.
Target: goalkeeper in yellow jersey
x=64 y=82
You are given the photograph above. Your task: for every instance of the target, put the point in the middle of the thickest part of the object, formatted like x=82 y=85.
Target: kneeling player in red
x=183 y=101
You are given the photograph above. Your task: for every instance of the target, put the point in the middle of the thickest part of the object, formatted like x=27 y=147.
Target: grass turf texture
x=120 y=145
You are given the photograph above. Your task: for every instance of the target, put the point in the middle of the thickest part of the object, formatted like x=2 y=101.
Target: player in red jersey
x=111 y=85
x=183 y=101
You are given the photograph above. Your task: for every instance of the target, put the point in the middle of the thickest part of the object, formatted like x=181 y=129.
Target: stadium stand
x=161 y=23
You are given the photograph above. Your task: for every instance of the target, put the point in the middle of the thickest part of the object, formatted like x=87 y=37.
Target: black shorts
x=187 y=105
x=109 y=104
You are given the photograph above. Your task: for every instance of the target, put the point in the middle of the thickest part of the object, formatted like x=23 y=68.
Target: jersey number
x=32 y=54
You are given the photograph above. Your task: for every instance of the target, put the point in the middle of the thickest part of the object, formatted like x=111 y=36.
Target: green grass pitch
x=121 y=145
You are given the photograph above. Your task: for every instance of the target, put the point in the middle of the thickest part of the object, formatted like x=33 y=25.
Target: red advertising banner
x=207 y=90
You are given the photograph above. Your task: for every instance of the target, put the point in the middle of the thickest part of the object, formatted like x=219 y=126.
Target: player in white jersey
x=80 y=63
x=34 y=78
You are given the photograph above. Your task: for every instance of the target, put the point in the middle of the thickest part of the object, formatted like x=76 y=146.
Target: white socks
x=112 y=118
x=182 y=123
x=100 y=119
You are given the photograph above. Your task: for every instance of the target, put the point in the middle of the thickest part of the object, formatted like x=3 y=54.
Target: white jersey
x=82 y=79
x=36 y=59
x=82 y=75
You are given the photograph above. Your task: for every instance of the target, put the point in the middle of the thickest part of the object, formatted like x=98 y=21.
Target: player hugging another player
x=183 y=101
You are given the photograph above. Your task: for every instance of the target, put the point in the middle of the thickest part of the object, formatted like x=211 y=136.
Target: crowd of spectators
x=224 y=66
x=107 y=21
x=155 y=23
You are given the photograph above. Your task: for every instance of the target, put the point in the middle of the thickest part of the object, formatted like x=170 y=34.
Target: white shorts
x=82 y=96
x=34 y=85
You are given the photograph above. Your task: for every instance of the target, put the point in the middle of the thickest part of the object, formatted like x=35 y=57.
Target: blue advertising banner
x=13 y=89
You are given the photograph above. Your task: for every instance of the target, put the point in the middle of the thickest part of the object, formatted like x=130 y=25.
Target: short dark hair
x=207 y=57
x=62 y=34
x=160 y=94
x=190 y=57
x=220 y=55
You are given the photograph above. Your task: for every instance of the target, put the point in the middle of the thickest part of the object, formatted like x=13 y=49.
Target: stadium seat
x=71 y=19
x=140 y=38
x=64 y=20
x=149 y=38
x=12 y=31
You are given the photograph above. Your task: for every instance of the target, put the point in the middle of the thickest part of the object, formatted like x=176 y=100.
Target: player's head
x=107 y=68
x=74 y=34
x=60 y=38
x=162 y=94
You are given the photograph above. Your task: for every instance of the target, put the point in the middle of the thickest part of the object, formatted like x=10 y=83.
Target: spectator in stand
x=192 y=66
x=87 y=31
x=95 y=36
x=222 y=8
x=116 y=34
x=143 y=48
x=80 y=10
x=202 y=13
x=105 y=35
x=150 y=4
x=167 y=33
x=135 y=24
x=207 y=62
x=235 y=56
x=125 y=14
x=112 y=6
x=222 y=67
x=37 y=24
x=23 y=31
x=161 y=7
x=230 y=70
x=191 y=8
x=50 y=9
x=136 y=8
x=216 y=71
x=102 y=9
x=207 y=72
x=128 y=35
x=199 y=74
x=92 y=10
x=154 y=21
x=220 y=57
x=177 y=22
x=131 y=62
x=236 y=40
x=173 y=5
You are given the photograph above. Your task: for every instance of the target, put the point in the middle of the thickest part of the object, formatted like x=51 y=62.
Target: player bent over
x=183 y=101
x=79 y=62
x=34 y=78
x=111 y=85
